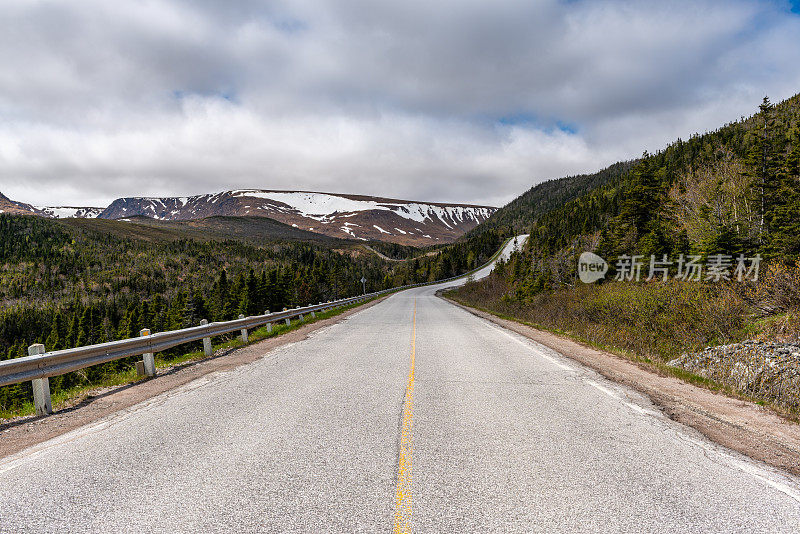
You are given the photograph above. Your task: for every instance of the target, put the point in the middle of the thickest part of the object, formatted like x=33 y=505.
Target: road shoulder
x=20 y=434
x=738 y=425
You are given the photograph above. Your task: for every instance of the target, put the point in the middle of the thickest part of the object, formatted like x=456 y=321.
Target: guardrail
x=40 y=365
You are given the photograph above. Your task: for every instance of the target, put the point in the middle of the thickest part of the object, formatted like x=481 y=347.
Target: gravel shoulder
x=22 y=433
x=739 y=425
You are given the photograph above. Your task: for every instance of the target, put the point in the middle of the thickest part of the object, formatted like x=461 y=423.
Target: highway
x=411 y=415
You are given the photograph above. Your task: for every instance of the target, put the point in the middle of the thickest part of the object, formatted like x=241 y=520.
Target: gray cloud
x=453 y=101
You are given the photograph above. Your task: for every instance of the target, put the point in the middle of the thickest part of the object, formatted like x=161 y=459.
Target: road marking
x=555 y=362
x=765 y=477
x=605 y=390
x=402 y=505
x=524 y=343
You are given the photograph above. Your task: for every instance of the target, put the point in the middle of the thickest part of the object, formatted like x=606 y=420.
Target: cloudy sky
x=442 y=100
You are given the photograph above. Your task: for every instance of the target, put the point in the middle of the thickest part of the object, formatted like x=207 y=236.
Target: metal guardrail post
x=207 y=349
x=41 y=386
x=244 y=331
x=269 y=325
x=148 y=358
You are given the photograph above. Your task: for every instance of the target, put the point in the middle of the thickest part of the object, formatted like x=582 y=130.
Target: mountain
x=16 y=208
x=335 y=215
x=259 y=231
x=58 y=212
x=69 y=212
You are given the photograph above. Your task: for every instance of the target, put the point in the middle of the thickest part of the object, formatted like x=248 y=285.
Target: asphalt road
x=490 y=432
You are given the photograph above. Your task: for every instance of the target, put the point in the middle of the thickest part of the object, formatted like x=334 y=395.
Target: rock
x=765 y=370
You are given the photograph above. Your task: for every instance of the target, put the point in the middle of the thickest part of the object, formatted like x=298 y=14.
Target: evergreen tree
x=253 y=300
x=784 y=216
x=762 y=164
x=89 y=328
x=200 y=307
x=53 y=341
x=145 y=316
x=177 y=312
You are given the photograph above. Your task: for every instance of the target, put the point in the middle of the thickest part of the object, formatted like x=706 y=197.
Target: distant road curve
x=385 y=257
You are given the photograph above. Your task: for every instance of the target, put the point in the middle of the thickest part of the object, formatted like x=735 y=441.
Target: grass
x=72 y=396
x=649 y=324
x=657 y=321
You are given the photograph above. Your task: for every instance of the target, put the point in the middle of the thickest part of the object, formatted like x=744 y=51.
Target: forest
x=73 y=283
x=732 y=191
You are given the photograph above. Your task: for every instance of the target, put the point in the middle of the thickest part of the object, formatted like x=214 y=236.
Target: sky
x=438 y=100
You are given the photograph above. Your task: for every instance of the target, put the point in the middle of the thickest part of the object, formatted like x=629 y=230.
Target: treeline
x=519 y=214
x=45 y=261
x=47 y=272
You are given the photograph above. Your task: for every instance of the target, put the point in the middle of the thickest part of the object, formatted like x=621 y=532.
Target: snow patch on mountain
x=70 y=212
x=321 y=206
x=407 y=222
x=310 y=204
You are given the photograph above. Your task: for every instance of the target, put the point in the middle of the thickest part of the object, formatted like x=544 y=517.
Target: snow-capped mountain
x=61 y=212
x=336 y=215
x=69 y=212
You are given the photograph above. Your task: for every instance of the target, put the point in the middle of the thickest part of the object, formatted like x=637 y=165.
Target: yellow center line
x=402 y=505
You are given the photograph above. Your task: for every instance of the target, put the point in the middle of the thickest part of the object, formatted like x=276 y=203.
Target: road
x=412 y=414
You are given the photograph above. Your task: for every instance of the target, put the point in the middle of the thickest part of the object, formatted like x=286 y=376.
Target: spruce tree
x=784 y=217
x=53 y=341
x=761 y=163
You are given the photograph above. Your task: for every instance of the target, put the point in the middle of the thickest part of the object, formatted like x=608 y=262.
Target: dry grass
x=658 y=322
x=652 y=320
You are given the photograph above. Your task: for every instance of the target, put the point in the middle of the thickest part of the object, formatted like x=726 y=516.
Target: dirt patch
x=739 y=425
x=21 y=433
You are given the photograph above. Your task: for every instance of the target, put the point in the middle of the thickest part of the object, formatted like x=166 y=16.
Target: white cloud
x=105 y=99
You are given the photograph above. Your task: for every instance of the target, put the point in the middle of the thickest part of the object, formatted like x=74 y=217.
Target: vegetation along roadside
x=733 y=192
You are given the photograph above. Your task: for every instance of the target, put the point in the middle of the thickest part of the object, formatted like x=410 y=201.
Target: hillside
x=253 y=230
x=353 y=217
x=734 y=191
x=335 y=215
x=12 y=207
x=520 y=213
x=700 y=196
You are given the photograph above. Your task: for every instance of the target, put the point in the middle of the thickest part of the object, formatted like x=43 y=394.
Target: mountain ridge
x=345 y=216
x=338 y=215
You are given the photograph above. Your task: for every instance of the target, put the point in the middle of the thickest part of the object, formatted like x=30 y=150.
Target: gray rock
x=764 y=370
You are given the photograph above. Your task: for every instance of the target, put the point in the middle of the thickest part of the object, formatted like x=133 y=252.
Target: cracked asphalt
x=505 y=436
